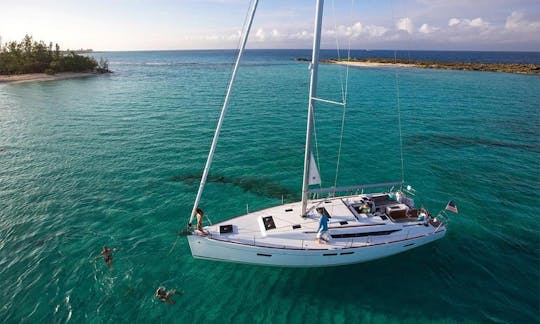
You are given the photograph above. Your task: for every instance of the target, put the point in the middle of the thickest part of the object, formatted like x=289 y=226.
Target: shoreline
x=463 y=66
x=370 y=64
x=37 y=77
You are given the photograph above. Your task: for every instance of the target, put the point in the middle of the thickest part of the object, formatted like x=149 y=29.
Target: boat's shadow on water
x=402 y=285
x=260 y=186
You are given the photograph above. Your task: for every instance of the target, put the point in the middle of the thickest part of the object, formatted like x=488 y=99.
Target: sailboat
x=363 y=223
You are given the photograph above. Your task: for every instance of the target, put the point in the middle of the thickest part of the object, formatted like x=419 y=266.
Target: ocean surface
x=116 y=160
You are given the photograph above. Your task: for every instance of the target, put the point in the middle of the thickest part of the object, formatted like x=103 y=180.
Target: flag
x=451 y=206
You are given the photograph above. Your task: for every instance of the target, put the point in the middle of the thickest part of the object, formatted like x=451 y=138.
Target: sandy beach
x=520 y=68
x=33 y=77
x=372 y=64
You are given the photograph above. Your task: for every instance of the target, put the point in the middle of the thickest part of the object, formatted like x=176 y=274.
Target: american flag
x=451 y=206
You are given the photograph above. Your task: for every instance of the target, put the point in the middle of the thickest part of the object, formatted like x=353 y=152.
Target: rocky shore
x=492 y=67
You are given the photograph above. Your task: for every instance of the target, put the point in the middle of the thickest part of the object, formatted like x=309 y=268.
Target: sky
x=491 y=25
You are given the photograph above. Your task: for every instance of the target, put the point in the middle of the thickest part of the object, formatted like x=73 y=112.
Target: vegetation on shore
x=30 y=56
x=469 y=66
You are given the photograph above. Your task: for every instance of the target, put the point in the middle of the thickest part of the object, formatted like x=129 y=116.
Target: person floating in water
x=165 y=296
x=107 y=256
x=323 y=228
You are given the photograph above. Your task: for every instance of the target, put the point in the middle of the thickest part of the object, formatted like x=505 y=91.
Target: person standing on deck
x=323 y=228
x=200 y=215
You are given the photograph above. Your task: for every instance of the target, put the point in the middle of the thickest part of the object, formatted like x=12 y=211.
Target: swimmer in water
x=165 y=296
x=107 y=256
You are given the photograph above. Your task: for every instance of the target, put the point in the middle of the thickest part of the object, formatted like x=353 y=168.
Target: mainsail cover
x=314 y=177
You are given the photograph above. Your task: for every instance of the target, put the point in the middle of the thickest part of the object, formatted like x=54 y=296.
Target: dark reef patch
x=257 y=185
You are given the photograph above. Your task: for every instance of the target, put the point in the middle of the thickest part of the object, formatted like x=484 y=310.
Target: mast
x=314 y=67
x=222 y=115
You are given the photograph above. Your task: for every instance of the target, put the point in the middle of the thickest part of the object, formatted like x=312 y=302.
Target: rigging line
x=182 y=232
x=222 y=114
x=335 y=29
x=399 y=126
x=340 y=144
x=239 y=42
x=348 y=56
x=329 y=101
x=336 y=34
x=344 y=93
x=398 y=104
x=173 y=246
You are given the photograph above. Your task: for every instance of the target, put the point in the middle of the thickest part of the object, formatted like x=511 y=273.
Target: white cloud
x=234 y=36
x=464 y=23
x=356 y=28
x=450 y=32
x=427 y=29
x=518 y=22
x=302 y=35
x=405 y=24
x=453 y=22
x=478 y=22
x=374 y=31
x=357 y=31
x=260 y=35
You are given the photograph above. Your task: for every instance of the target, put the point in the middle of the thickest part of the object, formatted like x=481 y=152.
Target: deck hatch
x=288 y=210
x=223 y=229
x=269 y=223
x=296 y=226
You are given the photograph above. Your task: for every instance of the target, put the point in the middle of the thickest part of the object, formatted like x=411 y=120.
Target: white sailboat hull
x=277 y=236
x=214 y=249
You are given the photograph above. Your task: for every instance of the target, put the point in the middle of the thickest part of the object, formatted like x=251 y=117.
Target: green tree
x=30 y=56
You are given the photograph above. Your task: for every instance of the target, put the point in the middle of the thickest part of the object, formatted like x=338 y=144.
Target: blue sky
x=209 y=24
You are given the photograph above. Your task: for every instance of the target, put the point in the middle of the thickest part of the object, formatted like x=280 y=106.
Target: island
x=467 y=66
x=30 y=60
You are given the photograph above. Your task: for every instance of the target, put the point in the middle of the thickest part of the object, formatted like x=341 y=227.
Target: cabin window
x=347 y=235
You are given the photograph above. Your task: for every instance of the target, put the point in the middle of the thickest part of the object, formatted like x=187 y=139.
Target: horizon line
x=309 y=49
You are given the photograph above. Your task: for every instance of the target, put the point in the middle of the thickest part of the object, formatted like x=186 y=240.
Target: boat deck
x=350 y=225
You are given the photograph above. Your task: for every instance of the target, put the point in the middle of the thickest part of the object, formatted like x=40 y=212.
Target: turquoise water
x=115 y=160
